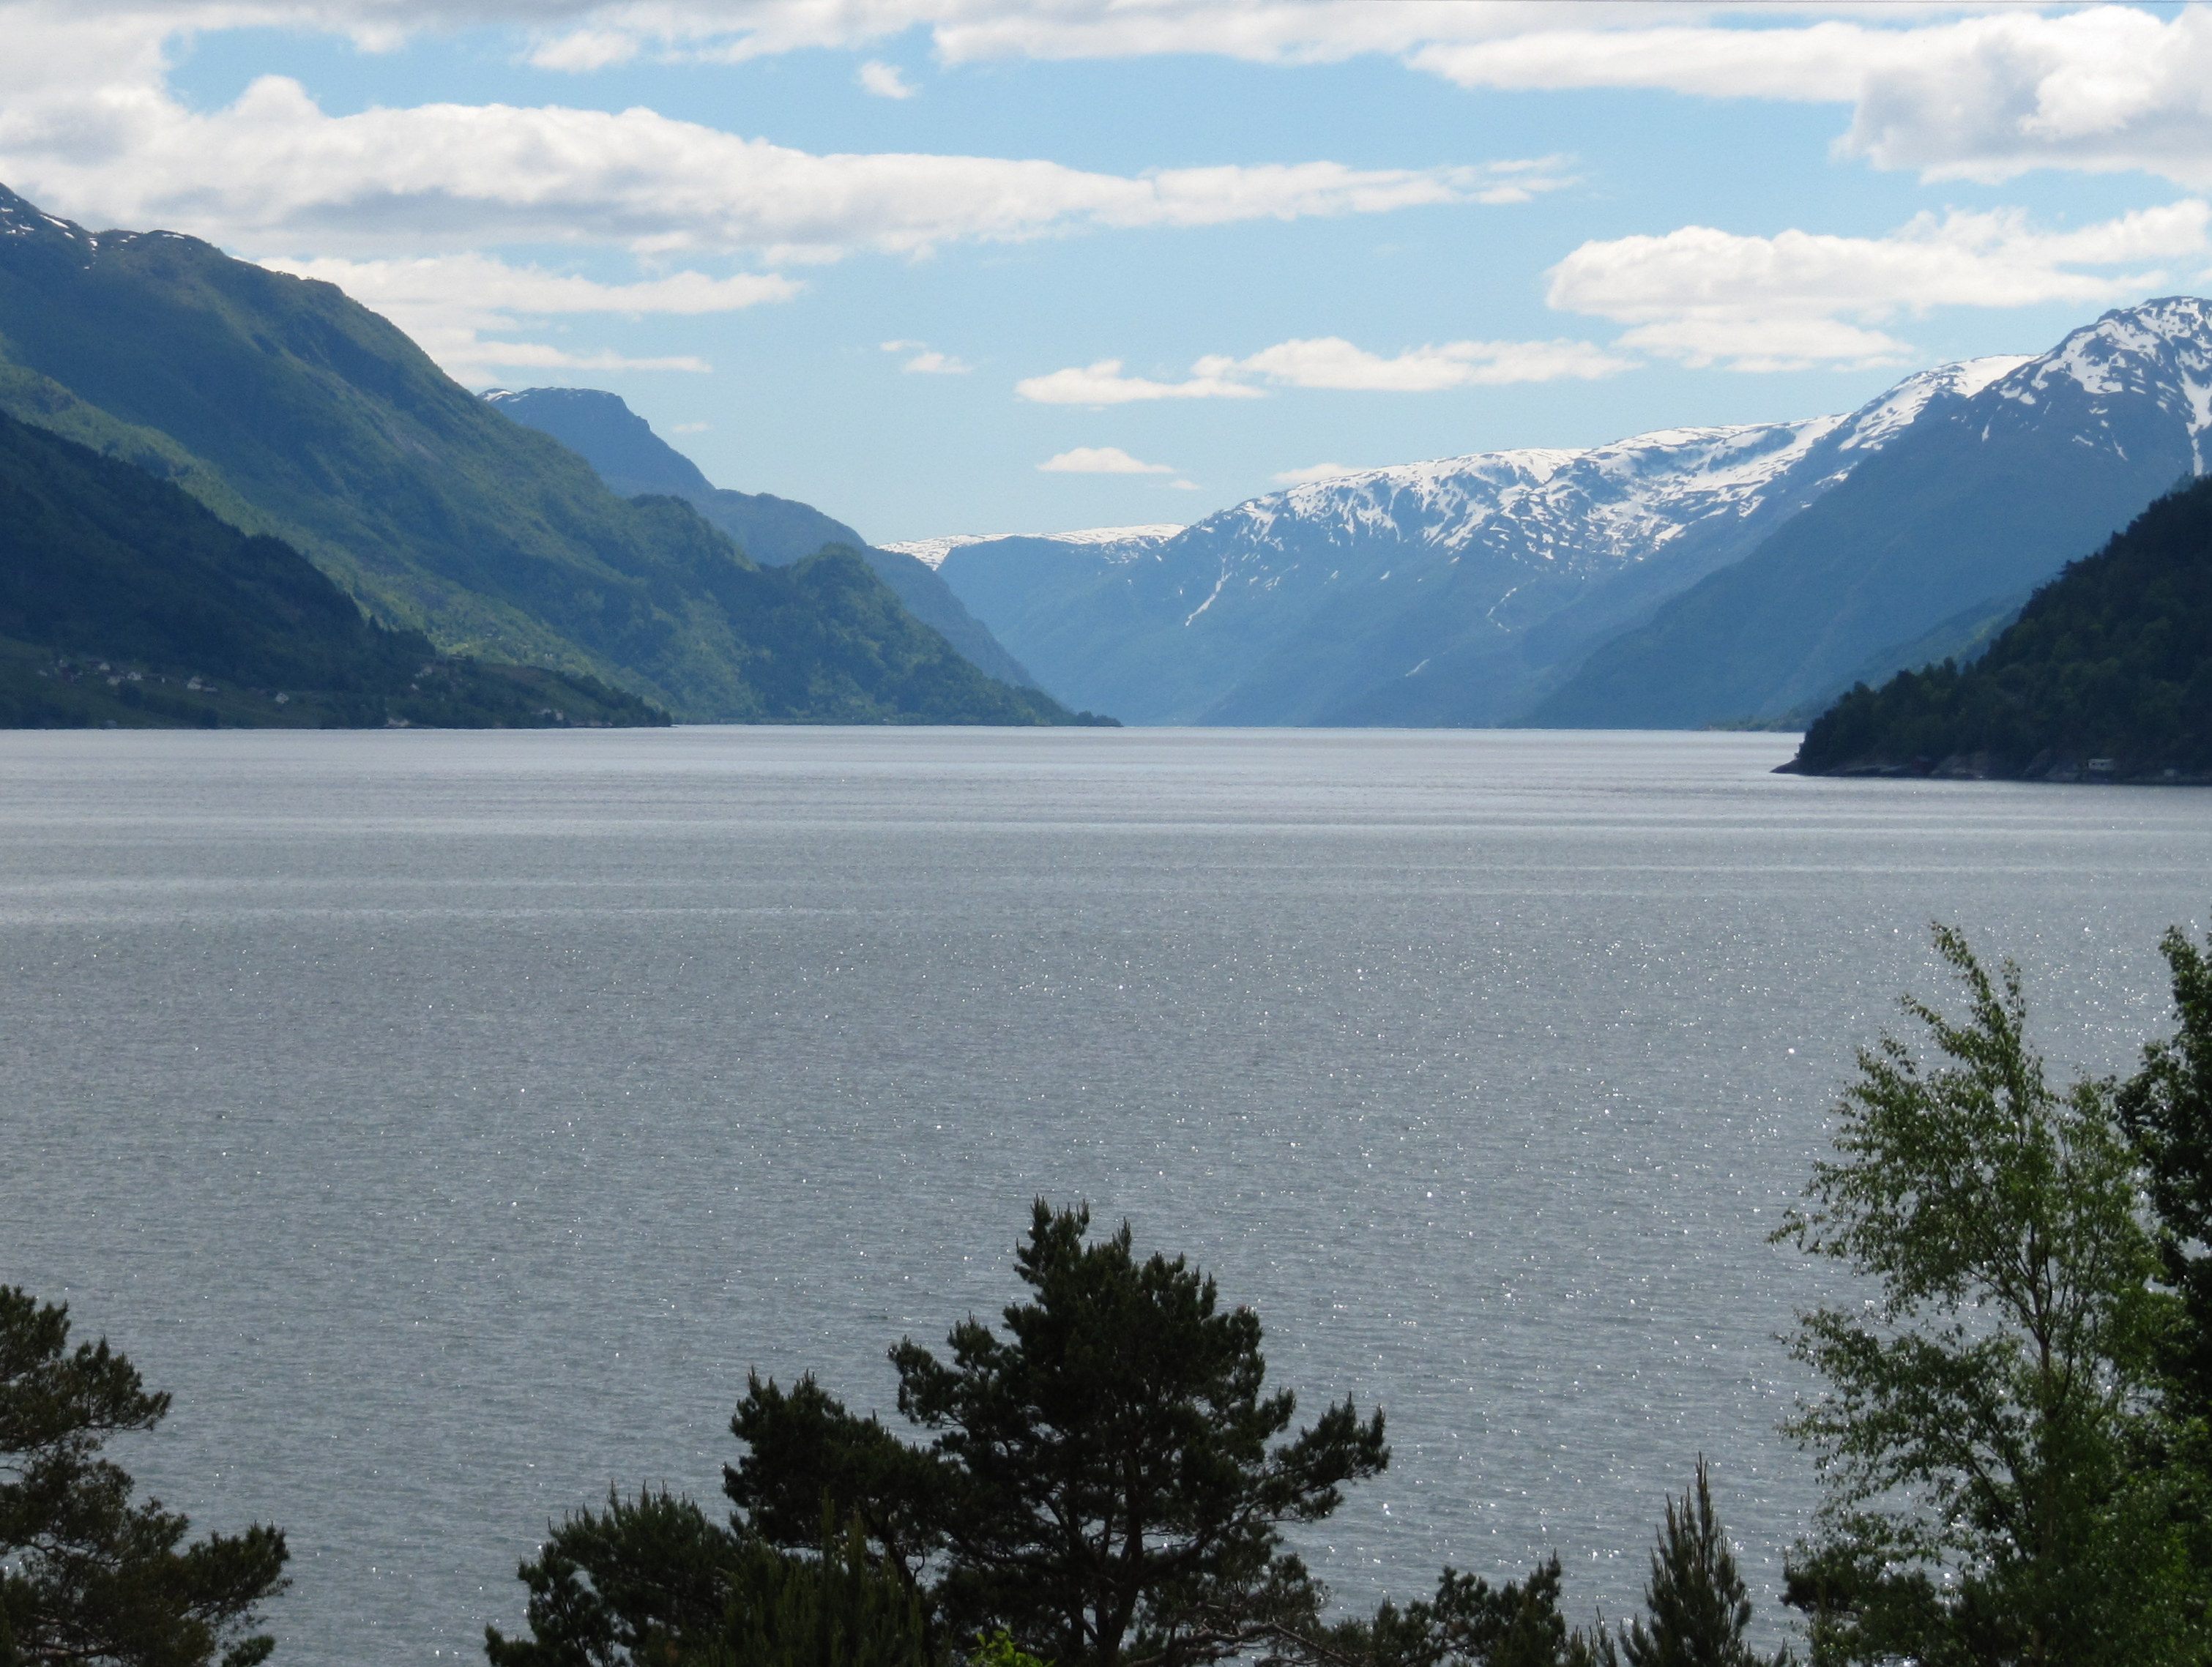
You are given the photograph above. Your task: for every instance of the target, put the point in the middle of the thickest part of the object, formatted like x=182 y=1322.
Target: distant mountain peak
x=601 y=427
x=2162 y=348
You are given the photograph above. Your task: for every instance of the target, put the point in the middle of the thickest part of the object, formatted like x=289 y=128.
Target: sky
x=975 y=266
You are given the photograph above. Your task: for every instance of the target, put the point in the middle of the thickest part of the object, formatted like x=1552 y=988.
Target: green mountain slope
x=123 y=601
x=601 y=428
x=2106 y=674
x=291 y=410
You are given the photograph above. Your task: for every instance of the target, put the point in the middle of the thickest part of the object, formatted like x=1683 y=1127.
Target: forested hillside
x=123 y=601
x=2106 y=674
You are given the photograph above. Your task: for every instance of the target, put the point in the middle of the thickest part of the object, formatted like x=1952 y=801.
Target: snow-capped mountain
x=1926 y=547
x=1451 y=591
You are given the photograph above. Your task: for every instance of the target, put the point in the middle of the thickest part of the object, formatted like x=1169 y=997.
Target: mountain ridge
x=1989 y=497
x=1506 y=566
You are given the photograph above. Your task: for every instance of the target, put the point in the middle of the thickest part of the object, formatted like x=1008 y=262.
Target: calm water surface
x=451 y=1120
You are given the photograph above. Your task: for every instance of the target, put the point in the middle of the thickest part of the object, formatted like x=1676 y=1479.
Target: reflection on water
x=451 y=1120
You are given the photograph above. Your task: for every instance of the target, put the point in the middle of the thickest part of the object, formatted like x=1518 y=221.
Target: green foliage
x=998 y=1649
x=1697 y=1601
x=804 y=1451
x=1102 y=1480
x=285 y=406
x=1471 y=1623
x=650 y=1582
x=89 y=1577
x=2166 y=1108
x=2111 y=661
x=1987 y=1407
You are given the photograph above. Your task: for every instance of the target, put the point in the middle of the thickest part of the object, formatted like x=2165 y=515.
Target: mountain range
x=291 y=412
x=1679 y=578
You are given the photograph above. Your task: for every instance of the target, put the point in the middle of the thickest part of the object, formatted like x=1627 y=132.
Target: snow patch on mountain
x=1127 y=542
x=2161 y=351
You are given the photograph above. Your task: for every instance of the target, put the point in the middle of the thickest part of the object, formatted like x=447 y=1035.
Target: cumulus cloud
x=885 y=81
x=1103 y=460
x=1330 y=362
x=1986 y=96
x=446 y=302
x=971 y=31
x=1983 y=96
x=274 y=171
x=1103 y=383
x=1800 y=299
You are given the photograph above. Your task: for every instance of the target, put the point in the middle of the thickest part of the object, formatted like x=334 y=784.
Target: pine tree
x=89 y=1577
x=1698 y=1604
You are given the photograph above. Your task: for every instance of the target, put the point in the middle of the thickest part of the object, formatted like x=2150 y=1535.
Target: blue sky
x=949 y=266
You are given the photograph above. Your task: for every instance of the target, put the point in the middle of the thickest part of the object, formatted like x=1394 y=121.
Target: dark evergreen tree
x=653 y=1582
x=88 y=1577
x=804 y=1451
x=1471 y=1623
x=1116 y=1486
x=645 y=1577
x=1697 y=1603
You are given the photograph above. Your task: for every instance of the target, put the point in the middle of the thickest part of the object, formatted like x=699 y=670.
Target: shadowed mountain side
x=1069 y=608
x=123 y=601
x=288 y=407
x=1978 y=504
x=2105 y=676
x=601 y=428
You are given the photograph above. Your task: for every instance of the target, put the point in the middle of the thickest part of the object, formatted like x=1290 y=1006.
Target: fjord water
x=451 y=1120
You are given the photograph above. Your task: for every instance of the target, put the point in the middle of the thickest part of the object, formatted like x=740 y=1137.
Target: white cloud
x=1330 y=362
x=1986 y=95
x=88 y=128
x=1102 y=460
x=927 y=361
x=446 y=302
x=971 y=31
x=1319 y=471
x=1799 y=299
x=1983 y=96
x=885 y=81
x=1103 y=383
